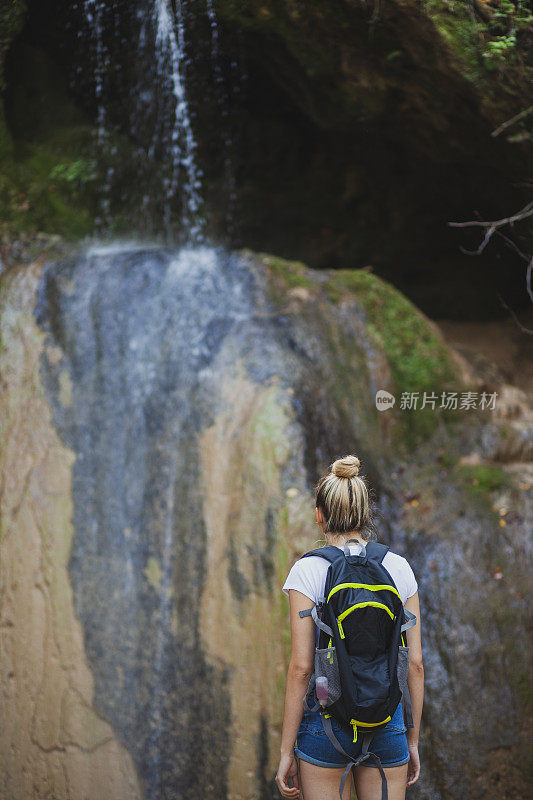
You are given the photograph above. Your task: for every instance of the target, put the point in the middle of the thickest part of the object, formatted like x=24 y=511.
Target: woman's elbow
x=300 y=670
x=416 y=666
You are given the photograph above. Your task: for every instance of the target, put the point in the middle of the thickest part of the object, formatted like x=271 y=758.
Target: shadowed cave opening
x=286 y=167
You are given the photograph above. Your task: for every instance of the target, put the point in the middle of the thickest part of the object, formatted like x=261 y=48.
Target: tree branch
x=511 y=121
x=494 y=227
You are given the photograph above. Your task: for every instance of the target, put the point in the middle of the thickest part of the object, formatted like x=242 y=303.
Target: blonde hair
x=342 y=495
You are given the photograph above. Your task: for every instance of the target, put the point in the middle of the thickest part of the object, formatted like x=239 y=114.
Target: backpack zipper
x=361 y=605
x=354 y=723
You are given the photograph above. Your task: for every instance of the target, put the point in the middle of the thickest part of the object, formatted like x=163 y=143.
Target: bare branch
x=514 y=245
x=528 y=279
x=527 y=211
x=511 y=121
x=522 y=327
x=490 y=229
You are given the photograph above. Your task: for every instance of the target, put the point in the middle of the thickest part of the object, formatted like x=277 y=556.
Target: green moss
x=461 y=31
x=418 y=359
x=292 y=273
x=482 y=479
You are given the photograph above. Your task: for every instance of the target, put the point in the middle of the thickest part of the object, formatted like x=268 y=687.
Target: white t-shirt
x=308 y=575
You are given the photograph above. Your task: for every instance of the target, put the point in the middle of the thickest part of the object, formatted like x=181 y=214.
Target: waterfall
x=94 y=16
x=157 y=103
x=162 y=319
x=170 y=54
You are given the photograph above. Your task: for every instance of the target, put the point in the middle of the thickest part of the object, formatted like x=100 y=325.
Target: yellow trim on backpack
x=361 y=605
x=373 y=587
x=369 y=724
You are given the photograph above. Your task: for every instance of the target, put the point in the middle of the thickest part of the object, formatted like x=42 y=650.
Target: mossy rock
x=417 y=355
x=291 y=274
x=418 y=358
x=483 y=479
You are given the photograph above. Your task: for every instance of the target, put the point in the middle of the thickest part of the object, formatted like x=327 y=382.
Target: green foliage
x=80 y=171
x=42 y=190
x=461 y=32
x=509 y=19
x=485 y=40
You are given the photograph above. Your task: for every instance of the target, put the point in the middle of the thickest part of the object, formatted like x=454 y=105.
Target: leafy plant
x=81 y=171
x=508 y=20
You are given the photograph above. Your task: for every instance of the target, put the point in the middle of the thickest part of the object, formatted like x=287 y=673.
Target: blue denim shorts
x=389 y=743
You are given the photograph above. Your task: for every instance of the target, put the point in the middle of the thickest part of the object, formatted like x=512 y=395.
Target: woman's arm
x=298 y=675
x=415 y=682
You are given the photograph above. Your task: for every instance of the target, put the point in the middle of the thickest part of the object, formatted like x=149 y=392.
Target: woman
x=342 y=513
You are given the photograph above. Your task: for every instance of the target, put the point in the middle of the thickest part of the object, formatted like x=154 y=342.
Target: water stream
x=153 y=72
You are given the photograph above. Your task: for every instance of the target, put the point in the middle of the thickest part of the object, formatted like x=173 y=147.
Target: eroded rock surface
x=53 y=741
x=165 y=423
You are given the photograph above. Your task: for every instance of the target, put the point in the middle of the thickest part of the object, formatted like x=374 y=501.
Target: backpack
x=361 y=656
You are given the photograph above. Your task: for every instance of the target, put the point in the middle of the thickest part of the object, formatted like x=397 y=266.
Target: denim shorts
x=389 y=743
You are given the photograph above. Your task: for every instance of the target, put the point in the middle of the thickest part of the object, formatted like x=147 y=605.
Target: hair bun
x=347 y=467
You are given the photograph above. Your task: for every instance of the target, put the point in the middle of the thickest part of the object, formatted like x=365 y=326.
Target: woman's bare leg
x=368 y=782
x=322 y=783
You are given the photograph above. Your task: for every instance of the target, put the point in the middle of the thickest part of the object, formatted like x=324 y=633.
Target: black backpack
x=361 y=657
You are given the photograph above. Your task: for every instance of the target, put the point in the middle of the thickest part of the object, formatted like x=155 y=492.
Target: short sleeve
x=411 y=585
x=307 y=576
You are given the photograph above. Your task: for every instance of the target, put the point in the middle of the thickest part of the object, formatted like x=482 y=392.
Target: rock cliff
x=165 y=415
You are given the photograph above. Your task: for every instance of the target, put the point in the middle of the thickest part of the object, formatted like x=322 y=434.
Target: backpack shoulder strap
x=330 y=553
x=376 y=551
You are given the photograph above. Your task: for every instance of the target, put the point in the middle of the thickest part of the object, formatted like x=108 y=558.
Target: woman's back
x=324 y=747
x=308 y=575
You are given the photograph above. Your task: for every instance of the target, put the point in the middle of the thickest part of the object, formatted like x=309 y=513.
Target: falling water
x=223 y=102
x=212 y=17
x=144 y=328
x=157 y=102
x=94 y=11
x=170 y=53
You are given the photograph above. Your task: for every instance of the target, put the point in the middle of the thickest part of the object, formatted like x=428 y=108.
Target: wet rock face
x=181 y=389
x=139 y=332
x=191 y=401
x=53 y=741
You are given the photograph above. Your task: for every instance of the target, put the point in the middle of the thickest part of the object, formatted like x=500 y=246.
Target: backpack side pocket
x=402 y=672
x=327 y=666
